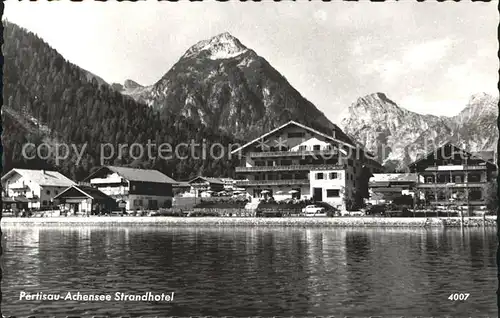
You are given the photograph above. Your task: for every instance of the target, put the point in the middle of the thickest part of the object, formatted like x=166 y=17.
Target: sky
x=427 y=57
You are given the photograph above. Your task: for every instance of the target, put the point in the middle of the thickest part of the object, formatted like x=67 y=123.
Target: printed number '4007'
x=457 y=296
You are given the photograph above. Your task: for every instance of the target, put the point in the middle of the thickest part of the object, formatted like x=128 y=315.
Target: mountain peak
x=375 y=99
x=221 y=46
x=225 y=36
x=130 y=84
x=482 y=97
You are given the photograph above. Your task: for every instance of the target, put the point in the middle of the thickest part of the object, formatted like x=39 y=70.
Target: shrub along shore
x=256 y=221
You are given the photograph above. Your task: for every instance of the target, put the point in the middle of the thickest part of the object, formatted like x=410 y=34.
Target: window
x=47 y=192
x=475 y=194
x=458 y=179
x=296 y=135
x=319 y=176
x=354 y=169
x=351 y=177
x=286 y=162
x=316 y=147
x=138 y=202
x=302 y=148
x=474 y=177
x=44 y=202
x=57 y=192
x=333 y=175
x=428 y=179
x=332 y=193
x=349 y=162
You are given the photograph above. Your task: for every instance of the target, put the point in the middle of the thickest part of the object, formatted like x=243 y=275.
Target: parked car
x=314 y=210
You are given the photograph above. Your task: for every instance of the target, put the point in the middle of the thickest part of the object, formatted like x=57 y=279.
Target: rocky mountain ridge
x=398 y=136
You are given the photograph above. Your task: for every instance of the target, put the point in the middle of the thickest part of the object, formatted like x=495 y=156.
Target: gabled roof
x=41 y=177
x=432 y=152
x=134 y=174
x=208 y=179
x=86 y=191
x=314 y=131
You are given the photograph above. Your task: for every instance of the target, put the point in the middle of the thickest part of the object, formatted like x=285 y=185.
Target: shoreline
x=474 y=221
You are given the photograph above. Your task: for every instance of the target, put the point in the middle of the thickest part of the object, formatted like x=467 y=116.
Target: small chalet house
x=33 y=188
x=85 y=199
x=384 y=187
x=296 y=161
x=451 y=175
x=201 y=185
x=134 y=189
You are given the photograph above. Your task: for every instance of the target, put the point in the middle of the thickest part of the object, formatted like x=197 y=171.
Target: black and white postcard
x=249 y=159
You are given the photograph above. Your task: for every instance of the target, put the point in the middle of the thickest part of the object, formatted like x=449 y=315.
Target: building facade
x=83 y=198
x=294 y=161
x=387 y=187
x=228 y=183
x=33 y=189
x=206 y=186
x=450 y=175
x=134 y=189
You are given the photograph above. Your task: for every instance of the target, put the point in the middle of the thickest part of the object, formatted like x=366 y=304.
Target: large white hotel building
x=297 y=161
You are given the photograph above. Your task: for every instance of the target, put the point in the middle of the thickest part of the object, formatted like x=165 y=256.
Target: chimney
x=333 y=133
x=43 y=171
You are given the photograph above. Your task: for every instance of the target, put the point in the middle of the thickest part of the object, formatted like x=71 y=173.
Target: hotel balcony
x=297 y=153
x=451 y=185
x=272 y=182
x=115 y=193
x=290 y=168
x=455 y=168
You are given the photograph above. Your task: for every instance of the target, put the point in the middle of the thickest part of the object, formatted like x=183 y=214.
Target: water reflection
x=253 y=271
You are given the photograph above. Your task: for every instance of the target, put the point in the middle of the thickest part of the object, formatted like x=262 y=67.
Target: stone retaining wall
x=252 y=221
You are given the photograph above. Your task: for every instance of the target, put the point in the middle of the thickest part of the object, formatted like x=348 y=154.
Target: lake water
x=252 y=271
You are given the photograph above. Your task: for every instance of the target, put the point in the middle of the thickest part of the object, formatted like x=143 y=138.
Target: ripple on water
x=253 y=271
